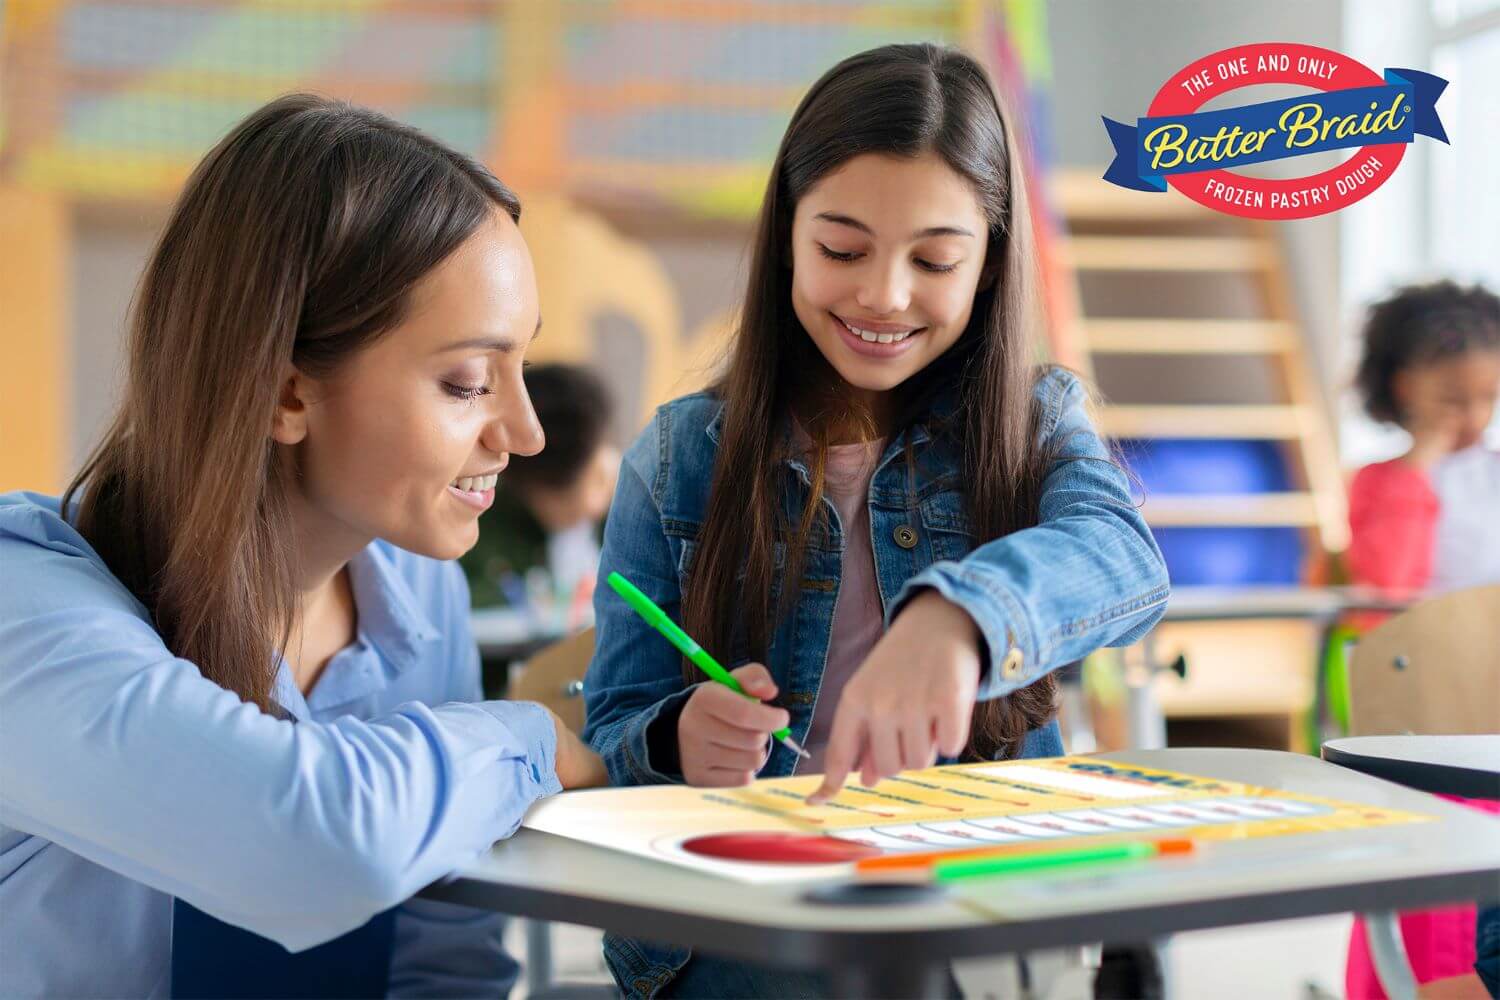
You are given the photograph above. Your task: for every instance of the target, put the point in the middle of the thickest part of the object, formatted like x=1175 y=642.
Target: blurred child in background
x=1427 y=522
x=549 y=507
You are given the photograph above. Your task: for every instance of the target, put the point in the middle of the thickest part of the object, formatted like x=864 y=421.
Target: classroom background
x=638 y=133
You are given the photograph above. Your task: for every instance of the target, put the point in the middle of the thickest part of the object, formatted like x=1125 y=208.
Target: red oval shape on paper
x=779 y=848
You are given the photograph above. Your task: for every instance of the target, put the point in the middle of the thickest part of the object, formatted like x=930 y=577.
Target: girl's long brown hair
x=296 y=241
x=902 y=100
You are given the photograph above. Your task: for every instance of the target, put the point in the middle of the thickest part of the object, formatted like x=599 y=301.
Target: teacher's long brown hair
x=295 y=242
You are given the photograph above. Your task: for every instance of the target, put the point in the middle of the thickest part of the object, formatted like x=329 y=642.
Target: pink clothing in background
x=1413 y=531
x=1439 y=943
x=858 y=615
x=1393 y=513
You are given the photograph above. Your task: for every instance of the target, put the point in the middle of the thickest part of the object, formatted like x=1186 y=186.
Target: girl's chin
x=884 y=385
x=879 y=377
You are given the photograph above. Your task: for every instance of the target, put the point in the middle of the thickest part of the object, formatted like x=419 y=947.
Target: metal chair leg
x=1388 y=953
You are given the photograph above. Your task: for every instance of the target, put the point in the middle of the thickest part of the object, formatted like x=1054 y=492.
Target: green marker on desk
x=1022 y=864
x=657 y=619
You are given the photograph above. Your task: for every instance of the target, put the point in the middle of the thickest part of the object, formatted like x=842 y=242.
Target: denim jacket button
x=905 y=536
x=1010 y=667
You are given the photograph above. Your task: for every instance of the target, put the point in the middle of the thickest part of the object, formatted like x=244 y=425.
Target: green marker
x=657 y=619
x=1017 y=864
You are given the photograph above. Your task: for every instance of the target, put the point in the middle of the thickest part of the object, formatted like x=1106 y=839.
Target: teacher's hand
x=910 y=701
x=577 y=765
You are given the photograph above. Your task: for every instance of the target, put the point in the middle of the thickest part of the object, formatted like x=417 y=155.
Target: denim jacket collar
x=942 y=410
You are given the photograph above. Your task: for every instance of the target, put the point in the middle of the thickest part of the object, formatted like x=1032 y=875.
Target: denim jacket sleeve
x=1088 y=574
x=635 y=674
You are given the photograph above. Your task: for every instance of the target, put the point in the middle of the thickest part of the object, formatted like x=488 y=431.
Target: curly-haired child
x=1425 y=522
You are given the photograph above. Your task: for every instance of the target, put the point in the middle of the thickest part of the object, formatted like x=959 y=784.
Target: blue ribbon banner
x=1213 y=140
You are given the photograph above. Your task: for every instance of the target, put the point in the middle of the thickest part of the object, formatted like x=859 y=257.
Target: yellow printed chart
x=765 y=833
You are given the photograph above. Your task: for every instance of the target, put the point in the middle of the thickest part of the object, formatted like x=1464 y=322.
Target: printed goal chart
x=765 y=833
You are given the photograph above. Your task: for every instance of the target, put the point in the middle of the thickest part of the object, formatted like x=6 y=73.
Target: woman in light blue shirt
x=235 y=665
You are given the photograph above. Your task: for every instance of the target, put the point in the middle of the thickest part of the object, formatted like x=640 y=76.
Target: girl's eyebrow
x=921 y=234
x=502 y=344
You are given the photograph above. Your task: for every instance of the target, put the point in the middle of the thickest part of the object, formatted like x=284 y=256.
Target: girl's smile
x=875 y=339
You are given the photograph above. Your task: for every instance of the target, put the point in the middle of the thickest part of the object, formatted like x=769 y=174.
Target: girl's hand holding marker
x=723 y=738
x=722 y=731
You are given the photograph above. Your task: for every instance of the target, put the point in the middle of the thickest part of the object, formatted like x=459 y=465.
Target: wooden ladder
x=1112 y=230
x=1209 y=292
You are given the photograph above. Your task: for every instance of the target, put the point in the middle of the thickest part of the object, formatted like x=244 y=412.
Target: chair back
x=554 y=677
x=1433 y=669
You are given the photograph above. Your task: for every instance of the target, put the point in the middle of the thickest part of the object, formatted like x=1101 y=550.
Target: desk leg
x=912 y=979
x=538 y=955
x=1389 y=955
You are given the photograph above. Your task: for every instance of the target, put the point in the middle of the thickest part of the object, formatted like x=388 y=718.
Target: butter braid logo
x=1355 y=107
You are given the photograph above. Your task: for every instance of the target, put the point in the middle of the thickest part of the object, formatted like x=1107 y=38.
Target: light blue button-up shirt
x=126 y=778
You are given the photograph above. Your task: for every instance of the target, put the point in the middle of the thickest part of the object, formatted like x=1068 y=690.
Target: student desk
x=902 y=949
x=1467 y=766
x=1323 y=606
x=505 y=635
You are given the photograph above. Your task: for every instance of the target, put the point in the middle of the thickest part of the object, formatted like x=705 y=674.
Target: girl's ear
x=289 y=422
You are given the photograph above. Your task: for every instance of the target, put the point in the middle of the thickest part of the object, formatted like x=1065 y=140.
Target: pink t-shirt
x=1415 y=531
x=858 y=617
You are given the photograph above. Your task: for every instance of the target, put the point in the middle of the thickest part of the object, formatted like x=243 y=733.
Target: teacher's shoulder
x=46 y=564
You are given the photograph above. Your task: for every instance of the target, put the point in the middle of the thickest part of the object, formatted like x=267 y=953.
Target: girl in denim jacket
x=883 y=513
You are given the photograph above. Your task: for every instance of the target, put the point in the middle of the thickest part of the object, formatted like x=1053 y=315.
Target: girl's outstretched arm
x=1087 y=575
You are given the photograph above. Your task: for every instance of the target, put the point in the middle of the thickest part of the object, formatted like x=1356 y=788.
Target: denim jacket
x=1087 y=575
